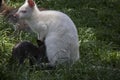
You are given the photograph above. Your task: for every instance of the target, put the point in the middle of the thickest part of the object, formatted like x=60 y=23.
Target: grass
x=98 y=26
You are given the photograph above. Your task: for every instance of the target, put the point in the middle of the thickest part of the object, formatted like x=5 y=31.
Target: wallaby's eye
x=23 y=11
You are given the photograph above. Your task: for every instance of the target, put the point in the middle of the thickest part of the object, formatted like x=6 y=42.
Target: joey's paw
x=40 y=43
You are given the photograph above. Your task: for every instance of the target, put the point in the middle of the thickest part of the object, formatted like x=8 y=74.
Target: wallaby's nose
x=16 y=15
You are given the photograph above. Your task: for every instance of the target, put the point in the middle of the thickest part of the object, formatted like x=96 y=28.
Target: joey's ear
x=31 y=3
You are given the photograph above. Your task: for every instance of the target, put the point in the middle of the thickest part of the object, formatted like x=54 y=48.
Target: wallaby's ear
x=31 y=3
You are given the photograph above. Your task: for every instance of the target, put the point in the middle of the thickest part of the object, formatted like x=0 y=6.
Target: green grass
x=98 y=25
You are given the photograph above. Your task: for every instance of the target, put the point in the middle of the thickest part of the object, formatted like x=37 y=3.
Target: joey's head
x=26 y=10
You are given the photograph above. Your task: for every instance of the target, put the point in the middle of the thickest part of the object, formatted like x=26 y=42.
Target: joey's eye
x=23 y=11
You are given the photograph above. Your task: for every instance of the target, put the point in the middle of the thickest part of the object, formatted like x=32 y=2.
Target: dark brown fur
x=26 y=49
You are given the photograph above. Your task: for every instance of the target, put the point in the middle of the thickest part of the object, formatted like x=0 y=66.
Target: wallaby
x=26 y=49
x=56 y=29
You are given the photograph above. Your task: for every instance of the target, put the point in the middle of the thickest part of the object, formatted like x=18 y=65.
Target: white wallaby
x=56 y=29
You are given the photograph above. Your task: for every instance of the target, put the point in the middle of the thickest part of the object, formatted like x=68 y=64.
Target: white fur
x=57 y=30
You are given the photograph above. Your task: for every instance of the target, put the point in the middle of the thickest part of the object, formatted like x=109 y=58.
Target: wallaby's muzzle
x=16 y=15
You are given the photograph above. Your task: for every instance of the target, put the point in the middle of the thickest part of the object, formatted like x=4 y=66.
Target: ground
x=98 y=25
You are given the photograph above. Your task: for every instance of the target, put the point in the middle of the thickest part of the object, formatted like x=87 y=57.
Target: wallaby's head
x=26 y=10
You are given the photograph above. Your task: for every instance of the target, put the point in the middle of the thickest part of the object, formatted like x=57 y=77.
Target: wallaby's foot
x=47 y=66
